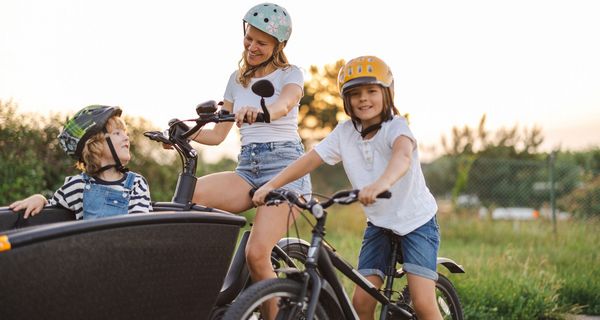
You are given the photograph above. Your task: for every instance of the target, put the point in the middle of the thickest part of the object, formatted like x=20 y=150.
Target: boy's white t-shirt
x=364 y=161
x=282 y=129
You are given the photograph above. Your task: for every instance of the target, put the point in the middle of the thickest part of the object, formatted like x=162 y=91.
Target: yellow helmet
x=364 y=70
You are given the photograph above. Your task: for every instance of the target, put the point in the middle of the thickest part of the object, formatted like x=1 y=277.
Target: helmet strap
x=386 y=115
x=252 y=71
x=364 y=132
x=117 y=164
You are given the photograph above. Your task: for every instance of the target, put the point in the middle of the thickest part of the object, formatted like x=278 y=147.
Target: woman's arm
x=289 y=97
x=218 y=133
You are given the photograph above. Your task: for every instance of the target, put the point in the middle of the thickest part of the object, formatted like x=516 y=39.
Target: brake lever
x=157 y=136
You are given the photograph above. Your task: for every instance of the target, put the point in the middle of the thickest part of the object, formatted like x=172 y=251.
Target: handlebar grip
x=261 y=118
x=177 y=127
x=384 y=195
x=281 y=194
x=157 y=136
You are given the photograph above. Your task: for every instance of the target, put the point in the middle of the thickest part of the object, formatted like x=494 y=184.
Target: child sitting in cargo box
x=97 y=138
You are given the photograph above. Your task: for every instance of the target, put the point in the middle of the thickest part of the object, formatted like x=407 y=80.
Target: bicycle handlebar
x=179 y=131
x=217 y=117
x=279 y=196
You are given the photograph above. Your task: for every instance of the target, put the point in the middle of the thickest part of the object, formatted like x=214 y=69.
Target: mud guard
x=286 y=241
x=450 y=265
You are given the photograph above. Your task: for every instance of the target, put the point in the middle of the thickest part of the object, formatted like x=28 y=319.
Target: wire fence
x=554 y=188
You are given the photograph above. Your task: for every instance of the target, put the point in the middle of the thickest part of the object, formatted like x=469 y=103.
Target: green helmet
x=84 y=124
x=271 y=19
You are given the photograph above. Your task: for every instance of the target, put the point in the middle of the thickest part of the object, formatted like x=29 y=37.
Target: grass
x=514 y=270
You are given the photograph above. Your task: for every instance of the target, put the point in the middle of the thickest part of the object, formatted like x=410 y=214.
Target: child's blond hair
x=92 y=151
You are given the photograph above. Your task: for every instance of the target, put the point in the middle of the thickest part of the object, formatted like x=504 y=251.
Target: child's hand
x=32 y=205
x=259 y=196
x=368 y=194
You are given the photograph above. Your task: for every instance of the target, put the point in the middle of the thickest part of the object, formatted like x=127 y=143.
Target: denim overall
x=101 y=201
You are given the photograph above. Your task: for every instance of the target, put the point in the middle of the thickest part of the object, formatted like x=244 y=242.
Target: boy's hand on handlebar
x=32 y=205
x=368 y=194
x=259 y=195
x=246 y=114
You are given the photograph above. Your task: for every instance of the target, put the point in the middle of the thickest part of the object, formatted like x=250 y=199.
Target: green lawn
x=514 y=269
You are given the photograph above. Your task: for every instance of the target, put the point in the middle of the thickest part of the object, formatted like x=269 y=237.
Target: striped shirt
x=70 y=195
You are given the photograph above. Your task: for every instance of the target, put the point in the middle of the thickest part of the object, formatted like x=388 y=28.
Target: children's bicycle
x=317 y=292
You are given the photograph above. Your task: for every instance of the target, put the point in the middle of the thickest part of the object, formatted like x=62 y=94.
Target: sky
x=520 y=62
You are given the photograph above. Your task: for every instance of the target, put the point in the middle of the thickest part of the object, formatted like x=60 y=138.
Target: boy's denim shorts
x=419 y=251
x=260 y=162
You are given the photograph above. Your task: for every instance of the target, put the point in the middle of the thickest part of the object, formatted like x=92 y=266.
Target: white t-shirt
x=282 y=129
x=364 y=161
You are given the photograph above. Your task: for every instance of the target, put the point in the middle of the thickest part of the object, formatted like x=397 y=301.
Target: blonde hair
x=92 y=151
x=278 y=60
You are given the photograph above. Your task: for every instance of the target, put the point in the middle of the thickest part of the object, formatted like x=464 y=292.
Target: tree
x=506 y=142
x=501 y=168
x=32 y=161
x=321 y=107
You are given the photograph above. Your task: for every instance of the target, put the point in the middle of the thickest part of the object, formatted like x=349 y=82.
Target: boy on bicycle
x=379 y=153
x=96 y=137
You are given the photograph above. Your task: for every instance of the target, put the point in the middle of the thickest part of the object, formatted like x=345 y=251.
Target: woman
x=267 y=148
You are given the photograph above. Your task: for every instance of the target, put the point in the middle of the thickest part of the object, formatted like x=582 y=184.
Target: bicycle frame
x=322 y=262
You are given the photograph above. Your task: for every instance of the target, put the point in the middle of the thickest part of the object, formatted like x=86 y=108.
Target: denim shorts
x=419 y=250
x=260 y=162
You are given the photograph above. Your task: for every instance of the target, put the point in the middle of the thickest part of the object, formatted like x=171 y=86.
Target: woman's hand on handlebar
x=246 y=114
x=259 y=195
x=368 y=194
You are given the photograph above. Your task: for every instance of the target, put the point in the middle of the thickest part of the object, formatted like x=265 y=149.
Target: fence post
x=552 y=158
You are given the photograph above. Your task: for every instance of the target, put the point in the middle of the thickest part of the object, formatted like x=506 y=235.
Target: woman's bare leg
x=224 y=190
x=270 y=224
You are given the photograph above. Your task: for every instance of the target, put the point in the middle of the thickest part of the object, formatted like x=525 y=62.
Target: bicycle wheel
x=296 y=251
x=247 y=305
x=446 y=297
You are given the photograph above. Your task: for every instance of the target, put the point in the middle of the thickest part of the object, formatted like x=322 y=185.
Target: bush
x=583 y=201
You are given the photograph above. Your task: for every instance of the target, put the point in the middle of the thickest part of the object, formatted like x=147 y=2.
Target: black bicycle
x=289 y=252
x=317 y=293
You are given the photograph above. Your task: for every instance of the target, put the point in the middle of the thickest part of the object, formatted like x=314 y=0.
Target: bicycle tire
x=247 y=305
x=296 y=251
x=446 y=297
